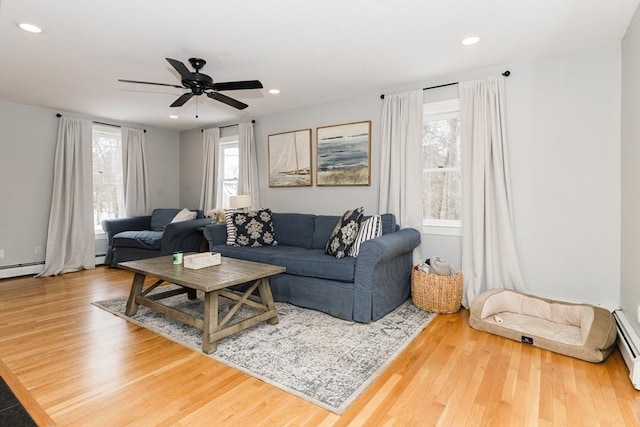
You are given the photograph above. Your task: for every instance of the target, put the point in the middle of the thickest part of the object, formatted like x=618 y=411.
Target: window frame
x=437 y=111
x=108 y=131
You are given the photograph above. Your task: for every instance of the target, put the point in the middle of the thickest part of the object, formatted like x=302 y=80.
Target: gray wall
x=27 y=146
x=563 y=130
x=630 y=248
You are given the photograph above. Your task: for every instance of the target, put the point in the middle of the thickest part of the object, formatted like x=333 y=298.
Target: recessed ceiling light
x=274 y=91
x=30 y=27
x=470 y=40
x=173 y=117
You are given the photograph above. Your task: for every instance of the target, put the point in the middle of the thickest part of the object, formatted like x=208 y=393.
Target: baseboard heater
x=629 y=345
x=31 y=268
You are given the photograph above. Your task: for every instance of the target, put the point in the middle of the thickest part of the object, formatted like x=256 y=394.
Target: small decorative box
x=201 y=260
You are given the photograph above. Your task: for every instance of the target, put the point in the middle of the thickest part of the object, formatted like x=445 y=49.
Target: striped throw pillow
x=231 y=229
x=369 y=229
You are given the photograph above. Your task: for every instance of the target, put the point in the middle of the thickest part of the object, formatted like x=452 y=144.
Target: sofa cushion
x=253 y=228
x=294 y=229
x=369 y=229
x=161 y=217
x=248 y=253
x=388 y=222
x=344 y=234
x=324 y=225
x=314 y=263
x=143 y=239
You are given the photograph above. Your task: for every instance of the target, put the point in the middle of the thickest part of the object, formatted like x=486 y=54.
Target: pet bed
x=583 y=331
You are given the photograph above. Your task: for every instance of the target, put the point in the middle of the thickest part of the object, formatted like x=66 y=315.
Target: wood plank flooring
x=77 y=365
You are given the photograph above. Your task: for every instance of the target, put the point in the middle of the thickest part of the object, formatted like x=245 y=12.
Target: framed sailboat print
x=344 y=154
x=290 y=159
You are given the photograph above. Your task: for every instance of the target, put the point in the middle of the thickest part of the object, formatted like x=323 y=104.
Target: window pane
x=108 y=198
x=229 y=188
x=441 y=143
x=441 y=195
x=231 y=162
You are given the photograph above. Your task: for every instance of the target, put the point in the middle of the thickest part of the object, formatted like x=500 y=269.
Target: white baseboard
x=29 y=270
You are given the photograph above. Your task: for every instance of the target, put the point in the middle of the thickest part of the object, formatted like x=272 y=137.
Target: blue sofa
x=362 y=289
x=140 y=237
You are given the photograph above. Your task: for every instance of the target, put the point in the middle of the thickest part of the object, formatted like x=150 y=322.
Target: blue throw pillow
x=344 y=234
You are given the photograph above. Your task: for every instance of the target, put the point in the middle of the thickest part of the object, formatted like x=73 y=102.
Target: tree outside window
x=108 y=189
x=441 y=189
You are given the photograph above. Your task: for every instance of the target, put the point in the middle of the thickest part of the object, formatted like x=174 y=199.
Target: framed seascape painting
x=344 y=154
x=290 y=159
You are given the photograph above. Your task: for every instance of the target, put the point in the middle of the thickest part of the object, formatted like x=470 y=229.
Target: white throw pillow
x=184 y=215
x=369 y=229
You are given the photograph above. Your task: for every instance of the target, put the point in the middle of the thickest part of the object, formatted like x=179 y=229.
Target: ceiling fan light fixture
x=274 y=91
x=470 y=40
x=30 y=27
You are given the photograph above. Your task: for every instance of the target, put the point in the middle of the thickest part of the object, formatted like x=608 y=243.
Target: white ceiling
x=312 y=50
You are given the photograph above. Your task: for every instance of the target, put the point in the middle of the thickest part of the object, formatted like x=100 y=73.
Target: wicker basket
x=435 y=293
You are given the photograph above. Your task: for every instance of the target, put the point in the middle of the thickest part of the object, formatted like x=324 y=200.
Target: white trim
x=29 y=270
x=441 y=229
x=441 y=107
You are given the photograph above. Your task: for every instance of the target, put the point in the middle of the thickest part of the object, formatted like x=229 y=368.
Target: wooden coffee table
x=213 y=281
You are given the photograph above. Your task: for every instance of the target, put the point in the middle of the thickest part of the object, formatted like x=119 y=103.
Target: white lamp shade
x=240 y=202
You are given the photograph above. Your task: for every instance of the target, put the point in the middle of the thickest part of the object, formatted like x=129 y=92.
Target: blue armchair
x=141 y=237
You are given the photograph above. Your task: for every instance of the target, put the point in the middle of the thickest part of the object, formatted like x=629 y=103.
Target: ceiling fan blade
x=149 y=83
x=180 y=101
x=180 y=68
x=226 y=100
x=245 y=84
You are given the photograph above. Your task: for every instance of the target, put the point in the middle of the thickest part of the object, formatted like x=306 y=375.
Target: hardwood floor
x=76 y=365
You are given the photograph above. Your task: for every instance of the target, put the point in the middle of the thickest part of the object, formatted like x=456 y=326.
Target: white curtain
x=70 y=237
x=134 y=173
x=210 y=147
x=489 y=258
x=401 y=160
x=248 y=179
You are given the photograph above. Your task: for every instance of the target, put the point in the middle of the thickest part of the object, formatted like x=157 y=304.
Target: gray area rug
x=317 y=357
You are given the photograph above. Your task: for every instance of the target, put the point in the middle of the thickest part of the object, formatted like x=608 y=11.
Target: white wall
x=190 y=168
x=27 y=146
x=630 y=247
x=563 y=130
x=320 y=200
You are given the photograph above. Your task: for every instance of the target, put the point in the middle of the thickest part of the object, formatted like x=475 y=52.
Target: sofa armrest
x=112 y=227
x=216 y=234
x=383 y=273
x=183 y=236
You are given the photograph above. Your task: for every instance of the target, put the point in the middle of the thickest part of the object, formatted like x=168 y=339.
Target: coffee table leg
x=210 y=321
x=267 y=299
x=136 y=289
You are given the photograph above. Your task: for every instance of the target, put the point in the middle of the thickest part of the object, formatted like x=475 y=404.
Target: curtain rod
x=102 y=123
x=506 y=74
x=228 y=126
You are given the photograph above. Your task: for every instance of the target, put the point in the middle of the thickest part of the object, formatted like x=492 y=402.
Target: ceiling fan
x=199 y=84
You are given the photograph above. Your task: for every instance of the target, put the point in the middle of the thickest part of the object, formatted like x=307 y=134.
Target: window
x=229 y=165
x=441 y=189
x=108 y=190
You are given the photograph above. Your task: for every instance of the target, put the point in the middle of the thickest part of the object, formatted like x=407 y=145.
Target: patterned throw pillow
x=369 y=229
x=253 y=228
x=344 y=234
